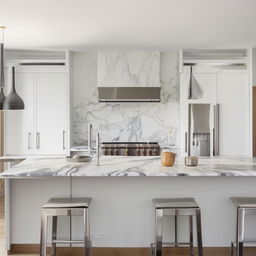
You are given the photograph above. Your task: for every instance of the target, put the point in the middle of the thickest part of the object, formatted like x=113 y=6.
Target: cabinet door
x=206 y=83
x=19 y=123
x=203 y=86
x=51 y=113
x=233 y=99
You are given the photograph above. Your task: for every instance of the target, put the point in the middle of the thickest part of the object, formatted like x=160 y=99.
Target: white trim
x=7 y=213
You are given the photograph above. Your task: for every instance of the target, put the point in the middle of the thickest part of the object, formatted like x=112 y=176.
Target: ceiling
x=129 y=24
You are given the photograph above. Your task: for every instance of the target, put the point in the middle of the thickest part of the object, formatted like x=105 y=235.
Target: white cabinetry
x=205 y=82
x=234 y=114
x=19 y=125
x=51 y=113
x=42 y=128
x=230 y=90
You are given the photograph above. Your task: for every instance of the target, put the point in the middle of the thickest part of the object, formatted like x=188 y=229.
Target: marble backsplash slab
x=125 y=121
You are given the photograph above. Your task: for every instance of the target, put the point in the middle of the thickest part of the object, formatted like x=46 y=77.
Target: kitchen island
x=122 y=189
x=131 y=166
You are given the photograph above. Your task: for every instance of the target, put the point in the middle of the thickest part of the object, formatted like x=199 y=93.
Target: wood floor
x=2 y=226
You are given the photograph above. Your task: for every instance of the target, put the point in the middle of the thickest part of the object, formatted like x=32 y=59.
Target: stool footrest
x=170 y=244
x=68 y=241
x=245 y=243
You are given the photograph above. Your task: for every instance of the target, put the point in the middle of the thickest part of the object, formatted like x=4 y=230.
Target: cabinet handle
x=63 y=139
x=186 y=142
x=38 y=140
x=29 y=140
x=216 y=130
x=213 y=142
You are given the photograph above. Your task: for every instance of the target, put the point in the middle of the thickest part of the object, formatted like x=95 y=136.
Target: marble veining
x=130 y=166
x=125 y=121
x=128 y=68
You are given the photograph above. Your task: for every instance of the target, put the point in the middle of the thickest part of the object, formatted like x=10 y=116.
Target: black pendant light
x=2 y=96
x=13 y=101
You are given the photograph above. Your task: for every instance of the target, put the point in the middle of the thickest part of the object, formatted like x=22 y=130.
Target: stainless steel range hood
x=129 y=94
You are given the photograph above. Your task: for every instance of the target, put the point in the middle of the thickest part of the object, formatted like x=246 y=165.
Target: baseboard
x=117 y=251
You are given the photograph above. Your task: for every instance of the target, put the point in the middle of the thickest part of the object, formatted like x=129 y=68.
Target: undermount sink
x=78 y=158
x=79 y=151
x=79 y=148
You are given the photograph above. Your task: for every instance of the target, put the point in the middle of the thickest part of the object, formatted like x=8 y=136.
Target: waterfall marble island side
x=131 y=166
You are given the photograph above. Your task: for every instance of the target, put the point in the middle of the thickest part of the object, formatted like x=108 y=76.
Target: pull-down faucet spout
x=91 y=149
x=90 y=138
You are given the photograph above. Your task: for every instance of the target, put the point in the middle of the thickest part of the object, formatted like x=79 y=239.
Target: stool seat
x=68 y=203
x=244 y=202
x=175 y=203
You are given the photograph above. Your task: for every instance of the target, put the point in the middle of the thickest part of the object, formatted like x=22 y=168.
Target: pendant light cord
x=3 y=34
x=2 y=60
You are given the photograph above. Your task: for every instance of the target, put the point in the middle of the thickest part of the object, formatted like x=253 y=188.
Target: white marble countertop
x=130 y=166
x=12 y=158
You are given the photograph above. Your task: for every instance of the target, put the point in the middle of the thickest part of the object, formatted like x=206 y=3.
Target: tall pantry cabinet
x=42 y=128
x=227 y=93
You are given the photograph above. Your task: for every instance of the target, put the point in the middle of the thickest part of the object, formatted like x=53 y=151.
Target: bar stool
x=64 y=207
x=176 y=207
x=245 y=206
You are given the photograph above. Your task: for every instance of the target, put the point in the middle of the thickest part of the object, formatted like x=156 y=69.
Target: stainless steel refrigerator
x=203 y=130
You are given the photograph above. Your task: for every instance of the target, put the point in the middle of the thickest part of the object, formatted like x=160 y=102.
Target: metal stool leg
x=240 y=231
x=54 y=235
x=152 y=249
x=43 y=238
x=158 y=232
x=199 y=232
x=191 y=233
x=176 y=229
x=87 y=243
x=232 y=249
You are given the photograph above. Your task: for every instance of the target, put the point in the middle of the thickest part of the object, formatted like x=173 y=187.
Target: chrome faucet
x=89 y=138
x=91 y=149
x=98 y=149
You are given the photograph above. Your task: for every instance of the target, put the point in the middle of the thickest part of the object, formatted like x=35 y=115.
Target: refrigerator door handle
x=216 y=130
x=186 y=142
x=189 y=131
x=213 y=142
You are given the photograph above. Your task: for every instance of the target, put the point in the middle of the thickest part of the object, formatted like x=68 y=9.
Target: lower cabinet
x=42 y=128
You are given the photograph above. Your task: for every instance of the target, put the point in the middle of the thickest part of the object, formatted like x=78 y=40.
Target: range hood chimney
x=129 y=94
x=128 y=76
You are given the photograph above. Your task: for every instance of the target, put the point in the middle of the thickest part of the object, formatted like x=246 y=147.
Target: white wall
x=125 y=121
x=122 y=212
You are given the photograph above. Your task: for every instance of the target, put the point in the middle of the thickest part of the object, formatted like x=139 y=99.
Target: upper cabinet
x=198 y=87
x=128 y=69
